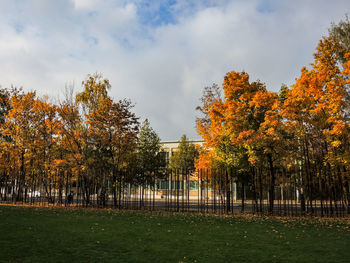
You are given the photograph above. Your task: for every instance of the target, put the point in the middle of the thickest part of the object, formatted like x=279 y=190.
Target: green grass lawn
x=29 y=234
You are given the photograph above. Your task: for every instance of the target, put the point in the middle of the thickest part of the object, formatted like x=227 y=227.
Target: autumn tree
x=4 y=108
x=217 y=151
x=71 y=143
x=44 y=148
x=316 y=112
x=18 y=128
x=4 y=104
x=241 y=128
x=95 y=91
x=110 y=134
x=341 y=34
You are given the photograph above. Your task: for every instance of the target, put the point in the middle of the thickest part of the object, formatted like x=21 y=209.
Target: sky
x=159 y=54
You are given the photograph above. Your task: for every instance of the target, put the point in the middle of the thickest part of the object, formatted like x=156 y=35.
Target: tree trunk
x=242 y=197
x=272 y=184
x=253 y=172
x=228 y=193
x=21 y=179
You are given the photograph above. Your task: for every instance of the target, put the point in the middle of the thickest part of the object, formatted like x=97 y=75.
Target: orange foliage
x=248 y=116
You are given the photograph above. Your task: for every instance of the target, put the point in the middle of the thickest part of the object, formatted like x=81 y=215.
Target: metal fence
x=206 y=191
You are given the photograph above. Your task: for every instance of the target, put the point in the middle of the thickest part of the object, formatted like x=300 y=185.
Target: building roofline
x=177 y=141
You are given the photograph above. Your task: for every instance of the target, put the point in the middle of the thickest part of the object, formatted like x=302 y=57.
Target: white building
x=169 y=147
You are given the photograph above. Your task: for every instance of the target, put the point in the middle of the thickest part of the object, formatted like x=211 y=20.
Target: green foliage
x=148 y=149
x=186 y=155
x=283 y=93
x=4 y=104
x=95 y=91
x=341 y=33
x=4 y=108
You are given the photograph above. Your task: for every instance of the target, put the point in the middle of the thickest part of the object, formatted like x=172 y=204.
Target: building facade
x=169 y=147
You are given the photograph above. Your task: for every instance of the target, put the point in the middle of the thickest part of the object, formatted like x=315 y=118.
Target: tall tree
x=112 y=136
x=4 y=104
x=186 y=155
x=341 y=34
x=241 y=128
x=316 y=112
x=19 y=128
x=149 y=156
x=95 y=91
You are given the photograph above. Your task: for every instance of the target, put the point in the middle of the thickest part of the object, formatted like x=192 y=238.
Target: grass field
x=30 y=234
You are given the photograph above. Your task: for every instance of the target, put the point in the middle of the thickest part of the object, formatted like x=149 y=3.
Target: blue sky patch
x=156 y=13
x=265 y=7
x=18 y=27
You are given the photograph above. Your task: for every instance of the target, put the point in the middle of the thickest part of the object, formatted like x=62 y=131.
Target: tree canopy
x=149 y=149
x=185 y=157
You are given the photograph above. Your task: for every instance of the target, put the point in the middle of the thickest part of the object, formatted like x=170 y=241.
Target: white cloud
x=85 y=4
x=163 y=67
